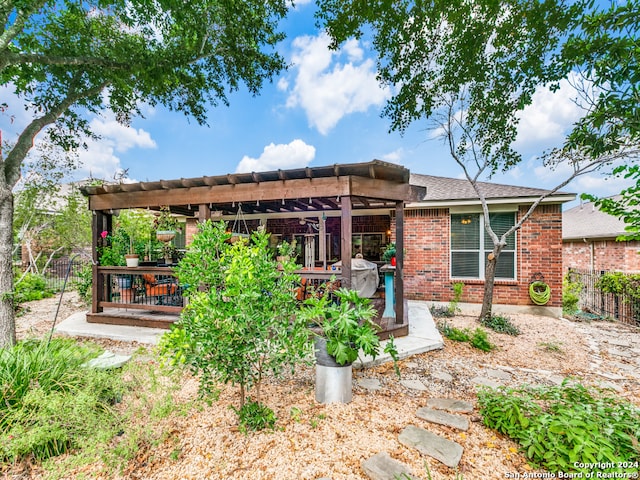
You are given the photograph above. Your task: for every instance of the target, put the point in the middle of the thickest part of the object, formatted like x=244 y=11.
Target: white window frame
x=482 y=250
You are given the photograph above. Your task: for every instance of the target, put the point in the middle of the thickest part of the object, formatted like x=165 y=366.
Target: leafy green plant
x=553 y=347
x=565 y=428
x=570 y=294
x=500 y=324
x=477 y=338
x=84 y=282
x=454 y=333
x=31 y=287
x=480 y=340
x=255 y=416
x=240 y=323
x=345 y=320
x=389 y=251
x=452 y=308
x=51 y=404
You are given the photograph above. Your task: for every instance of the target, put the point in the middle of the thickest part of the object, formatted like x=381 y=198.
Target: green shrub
x=31 y=287
x=51 y=404
x=451 y=309
x=570 y=294
x=477 y=338
x=255 y=416
x=240 y=323
x=480 y=340
x=500 y=324
x=565 y=428
x=84 y=282
x=453 y=333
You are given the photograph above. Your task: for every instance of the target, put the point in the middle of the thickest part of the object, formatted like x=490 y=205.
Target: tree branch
x=18 y=24
x=11 y=58
x=11 y=165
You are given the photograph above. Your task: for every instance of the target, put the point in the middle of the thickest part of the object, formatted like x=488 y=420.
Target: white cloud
x=545 y=122
x=100 y=160
x=296 y=154
x=395 y=156
x=328 y=89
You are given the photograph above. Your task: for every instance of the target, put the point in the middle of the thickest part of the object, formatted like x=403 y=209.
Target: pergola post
x=399 y=262
x=100 y=222
x=346 y=230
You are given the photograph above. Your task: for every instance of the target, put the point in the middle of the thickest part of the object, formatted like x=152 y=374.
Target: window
x=470 y=245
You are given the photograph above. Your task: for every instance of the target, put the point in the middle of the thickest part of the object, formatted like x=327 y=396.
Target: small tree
x=240 y=322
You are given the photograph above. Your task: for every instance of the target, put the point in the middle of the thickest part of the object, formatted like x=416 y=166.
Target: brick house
x=589 y=241
x=445 y=243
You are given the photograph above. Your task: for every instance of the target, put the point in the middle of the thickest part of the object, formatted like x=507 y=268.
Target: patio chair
x=165 y=290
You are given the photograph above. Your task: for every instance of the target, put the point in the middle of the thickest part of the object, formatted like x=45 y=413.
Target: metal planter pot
x=333 y=381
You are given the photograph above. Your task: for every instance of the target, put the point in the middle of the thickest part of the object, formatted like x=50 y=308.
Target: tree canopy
x=66 y=59
x=500 y=52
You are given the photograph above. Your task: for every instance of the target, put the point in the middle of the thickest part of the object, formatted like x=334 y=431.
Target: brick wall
x=427 y=272
x=602 y=255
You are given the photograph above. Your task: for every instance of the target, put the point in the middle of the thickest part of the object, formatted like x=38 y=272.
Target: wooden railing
x=157 y=289
x=146 y=288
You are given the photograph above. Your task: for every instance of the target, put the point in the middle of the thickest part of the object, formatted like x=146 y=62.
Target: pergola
x=343 y=188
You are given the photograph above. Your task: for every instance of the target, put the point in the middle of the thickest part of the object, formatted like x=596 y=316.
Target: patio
x=333 y=213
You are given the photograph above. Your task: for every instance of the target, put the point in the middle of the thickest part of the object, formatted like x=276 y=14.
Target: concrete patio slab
x=423 y=337
x=77 y=326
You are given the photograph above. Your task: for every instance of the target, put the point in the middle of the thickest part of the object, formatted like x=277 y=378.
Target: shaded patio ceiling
x=371 y=185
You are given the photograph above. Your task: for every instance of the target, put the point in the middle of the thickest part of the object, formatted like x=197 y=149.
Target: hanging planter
x=165 y=235
x=539 y=291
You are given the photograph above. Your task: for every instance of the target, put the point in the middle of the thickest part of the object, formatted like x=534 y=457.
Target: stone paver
x=450 y=404
x=413 y=384
x=382 y=467
x=444 y=418
x=487 y=382
x=499 y=374
x=108 y=360
x=370 y=383
x=444 y=376
x=430 y=444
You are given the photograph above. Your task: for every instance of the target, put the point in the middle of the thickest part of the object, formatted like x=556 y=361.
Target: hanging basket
x=239 y=222
x=165 y=235
x=539 y=291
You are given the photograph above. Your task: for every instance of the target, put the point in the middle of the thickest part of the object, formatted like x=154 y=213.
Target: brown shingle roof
x=586 y=221
x=445 y=189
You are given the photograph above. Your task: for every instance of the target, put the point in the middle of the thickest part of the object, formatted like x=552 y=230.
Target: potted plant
x=112 y=249
x=137 y=225
x=165 y=225
x=343 y=323
x=389 y=254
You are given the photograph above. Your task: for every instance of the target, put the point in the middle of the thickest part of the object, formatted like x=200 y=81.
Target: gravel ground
x=330 y=441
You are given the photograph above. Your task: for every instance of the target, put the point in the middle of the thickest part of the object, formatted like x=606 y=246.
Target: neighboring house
x=589 y=241
x=446 y=243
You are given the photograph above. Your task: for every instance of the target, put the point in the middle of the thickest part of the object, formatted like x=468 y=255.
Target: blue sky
x=325 y=109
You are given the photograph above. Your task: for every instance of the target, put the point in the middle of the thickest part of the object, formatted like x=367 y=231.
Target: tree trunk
x=489 y=282
x=7 y=314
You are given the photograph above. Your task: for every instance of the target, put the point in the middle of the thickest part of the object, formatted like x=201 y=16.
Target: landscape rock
x=443 y=418
x=370 y=383
x=450 y=404
x=108 y=360
x=430 y=444
x=487 y=382
x=444 y=376
x=413 y=384
x=382 y=467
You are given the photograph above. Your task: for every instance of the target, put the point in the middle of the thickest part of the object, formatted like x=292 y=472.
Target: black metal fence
x=56 y=272
x=621 y=307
